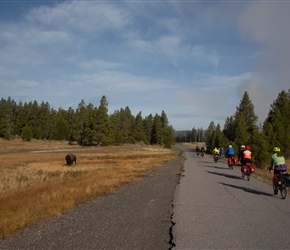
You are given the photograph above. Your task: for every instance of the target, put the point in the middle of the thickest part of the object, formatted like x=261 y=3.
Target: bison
x=70 y=158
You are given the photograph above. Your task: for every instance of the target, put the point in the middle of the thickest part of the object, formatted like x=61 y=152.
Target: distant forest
x=87 y=125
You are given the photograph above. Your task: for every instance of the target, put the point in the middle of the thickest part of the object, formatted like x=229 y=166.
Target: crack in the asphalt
x=171 y=241
x=179 y=175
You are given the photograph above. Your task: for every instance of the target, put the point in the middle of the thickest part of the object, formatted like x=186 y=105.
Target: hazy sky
x=192 y=59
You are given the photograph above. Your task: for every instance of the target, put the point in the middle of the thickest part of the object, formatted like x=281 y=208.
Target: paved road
x=214 y=208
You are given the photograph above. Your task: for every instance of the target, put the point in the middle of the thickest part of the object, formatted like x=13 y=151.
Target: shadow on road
x=249 y=190
x=226 y=175
x=213 y=166
x=189 y=150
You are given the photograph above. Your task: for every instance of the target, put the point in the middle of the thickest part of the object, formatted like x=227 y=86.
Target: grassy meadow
x=36 y=183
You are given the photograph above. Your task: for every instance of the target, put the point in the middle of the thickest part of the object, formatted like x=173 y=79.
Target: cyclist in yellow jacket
x=215 y=152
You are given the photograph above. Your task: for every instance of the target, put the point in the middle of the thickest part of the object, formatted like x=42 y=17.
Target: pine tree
x=139 y=133
x=18 y=125
x=61 y=131
x=34 y=118
x=148 y=125
x=27 y=133
x=89 y=134
x=247 y=109
x=259 y=148
x=277 y=125
x=241 y=136
x=167 y=131
x=156 y=137
x=102 y=123
x=217 y=138
x=7 y=117
x=209 y=136
x=71 y=118
x=194 y=135
x=2 y=115
x=168 y=137
x=81 y=114
x=164 y=119
x=200 y=135
x=230 y=129
x=127 y=121
x=115 y=128
x=44 y=125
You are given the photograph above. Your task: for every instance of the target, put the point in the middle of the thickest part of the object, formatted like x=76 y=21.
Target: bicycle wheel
x=242 y=172
x=275 y=189
x=283 y=188
x=248 y=173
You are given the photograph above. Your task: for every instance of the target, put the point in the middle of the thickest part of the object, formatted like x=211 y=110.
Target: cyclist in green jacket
x=278 y=163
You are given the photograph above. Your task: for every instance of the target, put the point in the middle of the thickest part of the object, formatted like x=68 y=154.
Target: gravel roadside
x=137 y=216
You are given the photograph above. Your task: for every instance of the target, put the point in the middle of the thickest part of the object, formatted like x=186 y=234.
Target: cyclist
x=215 y=152
x=278 y=163
x=197 y=150
x=247 y=155
x=230 y=153
x=202 y=150
x=241 y=153
x=222 y=153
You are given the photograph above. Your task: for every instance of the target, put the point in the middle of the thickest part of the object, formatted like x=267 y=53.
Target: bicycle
x=247 y=169
x=216 y=158
x=282 y=184
x=231 y=162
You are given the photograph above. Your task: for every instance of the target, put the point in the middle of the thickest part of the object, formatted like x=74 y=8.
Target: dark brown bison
x=70 y=158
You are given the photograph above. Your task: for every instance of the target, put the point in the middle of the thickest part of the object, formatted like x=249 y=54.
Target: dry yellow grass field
x=36 y=183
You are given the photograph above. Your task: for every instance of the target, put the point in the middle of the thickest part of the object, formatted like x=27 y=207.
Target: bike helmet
x=276 y=149
x=248 y=147
x=243 y=147
x=230 y=146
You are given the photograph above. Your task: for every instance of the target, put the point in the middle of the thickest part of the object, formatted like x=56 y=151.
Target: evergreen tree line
x=87 y=125
x=195 y=135
x=242 y=129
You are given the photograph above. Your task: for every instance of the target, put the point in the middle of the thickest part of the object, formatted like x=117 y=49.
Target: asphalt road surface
x=215 y=208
